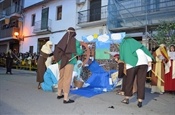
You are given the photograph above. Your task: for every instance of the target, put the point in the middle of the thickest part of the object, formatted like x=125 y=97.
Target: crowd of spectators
x=23 y=60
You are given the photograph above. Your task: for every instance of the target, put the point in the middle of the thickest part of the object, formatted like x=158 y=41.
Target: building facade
x=10 y=24
x=49 y=20
x=43 y=20
x=139 y=18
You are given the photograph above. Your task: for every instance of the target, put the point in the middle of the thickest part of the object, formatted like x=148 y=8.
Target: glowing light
x=16 y=34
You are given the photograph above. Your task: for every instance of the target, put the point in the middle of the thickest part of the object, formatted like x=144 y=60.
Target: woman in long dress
x=170 y=76
x=44 y=61
x=158 y=71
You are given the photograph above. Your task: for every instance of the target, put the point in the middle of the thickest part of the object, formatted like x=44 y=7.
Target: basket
x=78 y=84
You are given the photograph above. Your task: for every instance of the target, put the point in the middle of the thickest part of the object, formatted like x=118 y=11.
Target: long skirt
x=169 y=81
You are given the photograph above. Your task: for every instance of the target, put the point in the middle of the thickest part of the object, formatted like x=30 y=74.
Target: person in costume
x=158 y=71
x=43 y=61
x=51 y=77
x=137 y=59
x=121 y=74
x=65 y=53
x=77 y=73
x=170 y=75
x=78 y=69
x=9 y=62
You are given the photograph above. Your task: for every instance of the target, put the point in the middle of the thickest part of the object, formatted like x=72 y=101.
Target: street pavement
x=19 y=96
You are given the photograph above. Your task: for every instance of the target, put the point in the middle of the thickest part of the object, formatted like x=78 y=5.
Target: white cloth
x=143 y=59
x=173 y=70
x=55 y=70
x=171 y=55
x=47 y=49
x=48 y=62
x=167 y=67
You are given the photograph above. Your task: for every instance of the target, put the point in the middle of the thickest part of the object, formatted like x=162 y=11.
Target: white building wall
x=68 y=14
x=69 y=19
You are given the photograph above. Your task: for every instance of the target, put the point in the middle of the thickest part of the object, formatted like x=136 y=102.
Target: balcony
x=14 y=10
x=92 y=17
x=5 y=33
x=42 y=27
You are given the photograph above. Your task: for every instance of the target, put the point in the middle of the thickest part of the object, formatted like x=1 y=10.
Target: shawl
x=65 y=48
x=127 y=51
x=46 y=47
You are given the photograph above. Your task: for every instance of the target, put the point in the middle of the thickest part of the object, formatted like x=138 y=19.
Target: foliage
x=165 y=33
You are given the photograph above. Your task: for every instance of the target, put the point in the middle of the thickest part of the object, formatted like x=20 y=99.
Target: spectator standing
x=170 y=76
x=9 y=62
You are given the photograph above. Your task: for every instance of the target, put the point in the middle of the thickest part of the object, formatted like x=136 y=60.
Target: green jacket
x=127 y=50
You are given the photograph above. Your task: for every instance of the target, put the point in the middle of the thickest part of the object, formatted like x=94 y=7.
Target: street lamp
x=16 y=34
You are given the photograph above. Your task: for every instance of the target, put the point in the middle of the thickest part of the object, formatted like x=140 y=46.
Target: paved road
x=19 y=96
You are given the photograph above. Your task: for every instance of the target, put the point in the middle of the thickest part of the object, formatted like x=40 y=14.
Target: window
x=44 y=18
x=31 y=49
x=33 y=20
x=59 y=13
x=95 y=10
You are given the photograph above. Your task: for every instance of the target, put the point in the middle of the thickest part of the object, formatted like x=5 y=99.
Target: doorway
x=41 y=42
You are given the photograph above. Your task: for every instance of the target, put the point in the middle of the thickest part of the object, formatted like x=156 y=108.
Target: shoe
x=69 y=101
x=125 y=101
x=59 y=97
x=10 y=73
x=139 y=104
x=161 y=93
x=6 y=72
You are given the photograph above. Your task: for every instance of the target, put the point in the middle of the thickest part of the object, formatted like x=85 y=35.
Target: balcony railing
x=42 y=26
x=10 y=10
x=91 y=15
x=8 y=32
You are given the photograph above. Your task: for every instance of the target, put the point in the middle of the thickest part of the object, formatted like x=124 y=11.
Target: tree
x=165 y=33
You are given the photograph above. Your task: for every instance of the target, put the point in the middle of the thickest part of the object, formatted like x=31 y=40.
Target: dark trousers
x=8 y=69
x=139 y=72
x=123 y=83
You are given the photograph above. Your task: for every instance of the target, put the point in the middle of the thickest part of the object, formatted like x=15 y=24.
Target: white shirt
x=143 y=59
x=171 y=55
